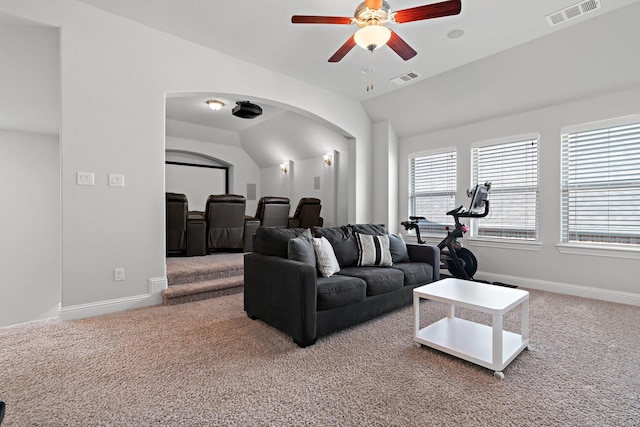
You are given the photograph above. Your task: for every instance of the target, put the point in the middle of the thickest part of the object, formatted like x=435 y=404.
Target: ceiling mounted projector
x=246 y=110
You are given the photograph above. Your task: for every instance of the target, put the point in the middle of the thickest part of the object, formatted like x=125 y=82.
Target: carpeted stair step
x=201 y=275
x=203 y=290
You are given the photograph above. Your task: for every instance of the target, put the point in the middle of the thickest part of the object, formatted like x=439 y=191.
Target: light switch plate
x=116 y=180
x=118 y=274
x=85 y=178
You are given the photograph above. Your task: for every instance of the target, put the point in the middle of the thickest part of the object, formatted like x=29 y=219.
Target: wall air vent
x=573 y=11
x=405 y=78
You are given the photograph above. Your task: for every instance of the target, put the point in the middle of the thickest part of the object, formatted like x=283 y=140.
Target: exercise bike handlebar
x=459 y=213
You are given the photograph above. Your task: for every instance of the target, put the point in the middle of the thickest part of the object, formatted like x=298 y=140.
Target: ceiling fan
x=372 y=17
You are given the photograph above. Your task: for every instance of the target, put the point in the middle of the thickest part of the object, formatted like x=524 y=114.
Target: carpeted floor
x=205 y=363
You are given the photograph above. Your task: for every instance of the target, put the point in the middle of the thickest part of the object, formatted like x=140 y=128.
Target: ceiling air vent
x=405 y=78
x=573 y=11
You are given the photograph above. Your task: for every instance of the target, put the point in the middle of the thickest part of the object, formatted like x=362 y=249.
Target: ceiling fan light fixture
x=372 y=37
x=215 y=105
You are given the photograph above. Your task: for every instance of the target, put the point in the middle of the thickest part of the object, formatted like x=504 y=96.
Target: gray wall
x=29 y=172
x=114 y=77
x=30 y=218
x=598 y=273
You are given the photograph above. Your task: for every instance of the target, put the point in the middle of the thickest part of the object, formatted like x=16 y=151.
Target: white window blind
x=432 y=190
x=512 y=168
x=601 y=184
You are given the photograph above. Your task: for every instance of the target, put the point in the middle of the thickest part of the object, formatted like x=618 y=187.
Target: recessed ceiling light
x=214 y=104
x=456 y=34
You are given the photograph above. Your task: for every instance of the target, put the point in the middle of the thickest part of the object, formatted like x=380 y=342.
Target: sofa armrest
x=426 y=253
x=250 y=228
x=282 y=293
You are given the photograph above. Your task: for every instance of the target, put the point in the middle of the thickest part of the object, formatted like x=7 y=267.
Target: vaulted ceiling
x=458 y=78
x=508 y=59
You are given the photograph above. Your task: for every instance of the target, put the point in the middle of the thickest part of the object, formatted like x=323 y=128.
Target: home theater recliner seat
x=273 y=211
x=225 y=222
x=186 y=234
x=176 y=210
x=293 y=297
x=307 y=214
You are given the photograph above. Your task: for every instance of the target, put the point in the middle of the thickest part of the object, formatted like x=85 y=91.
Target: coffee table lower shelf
x=470 y=341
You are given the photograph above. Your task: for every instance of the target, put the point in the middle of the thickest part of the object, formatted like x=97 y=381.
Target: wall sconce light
x=328 y=158
x=214 y=104
x=284 y=167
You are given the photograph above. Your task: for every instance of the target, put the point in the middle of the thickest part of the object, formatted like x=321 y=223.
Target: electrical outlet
x=118 y=274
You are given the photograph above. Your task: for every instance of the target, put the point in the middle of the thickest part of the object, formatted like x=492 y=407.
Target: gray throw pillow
x=274 y=241
x=301 y=248
x=398 y=248
x=343 y=242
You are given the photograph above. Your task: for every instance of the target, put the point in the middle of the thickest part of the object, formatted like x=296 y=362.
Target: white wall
x=30 y=216
x=299 y=182
x=385 y=177
x=29 y=89
x=114 y=77
x=597 y=274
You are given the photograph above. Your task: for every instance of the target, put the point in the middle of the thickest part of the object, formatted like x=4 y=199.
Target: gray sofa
x=292 y=296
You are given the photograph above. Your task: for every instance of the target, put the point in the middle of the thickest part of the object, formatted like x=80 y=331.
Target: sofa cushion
x=325 y=258
x=343 y=242
x=380 y=280
x=398 y=248
x=275 y=241
x=373 y=250
x=301 y=248
x=415 y=273
x=339 y=291
x=371 y=229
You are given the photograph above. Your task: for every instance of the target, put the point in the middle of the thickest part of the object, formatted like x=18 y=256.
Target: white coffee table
x=487 y=346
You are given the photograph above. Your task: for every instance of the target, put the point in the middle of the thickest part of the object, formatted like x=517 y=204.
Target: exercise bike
x=460 y=261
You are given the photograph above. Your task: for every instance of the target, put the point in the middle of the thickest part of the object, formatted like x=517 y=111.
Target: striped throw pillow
x=373 y=250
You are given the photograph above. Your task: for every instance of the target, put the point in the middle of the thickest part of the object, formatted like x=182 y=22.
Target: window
x=432 y=190
x=511 y=165
x=601 y=182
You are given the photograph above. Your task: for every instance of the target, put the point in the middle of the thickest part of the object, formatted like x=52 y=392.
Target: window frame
x=430 y=232
x=567 y=245
x=525 y=243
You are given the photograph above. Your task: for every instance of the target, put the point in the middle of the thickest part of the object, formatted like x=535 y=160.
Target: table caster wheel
x=498 y=374
x=417 y=344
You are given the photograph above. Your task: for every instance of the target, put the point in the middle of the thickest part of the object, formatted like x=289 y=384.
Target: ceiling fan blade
x=344 y=49
x=401 y=47
x=373 y=4
x=435 y=10
x=307 y=19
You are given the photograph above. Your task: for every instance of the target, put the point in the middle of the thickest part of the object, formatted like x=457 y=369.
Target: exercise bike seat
x=417 y=218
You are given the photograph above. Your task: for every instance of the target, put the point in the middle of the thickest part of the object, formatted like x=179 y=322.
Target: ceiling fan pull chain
x=367 y=72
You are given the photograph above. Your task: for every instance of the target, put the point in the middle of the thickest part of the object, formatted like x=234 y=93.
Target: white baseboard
x=563 y=288
x=110 y=306
x=157 y=284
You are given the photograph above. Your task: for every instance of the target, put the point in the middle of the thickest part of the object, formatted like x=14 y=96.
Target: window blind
x=512 y=168
x=601 y=185
x=432 y=190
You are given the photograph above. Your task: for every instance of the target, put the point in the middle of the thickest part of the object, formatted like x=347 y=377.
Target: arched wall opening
x=255 y=148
